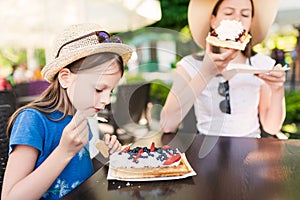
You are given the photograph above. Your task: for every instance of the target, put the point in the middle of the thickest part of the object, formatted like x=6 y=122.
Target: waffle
x=152 y=172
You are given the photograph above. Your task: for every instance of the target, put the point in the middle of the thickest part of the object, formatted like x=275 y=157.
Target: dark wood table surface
x=229 y=168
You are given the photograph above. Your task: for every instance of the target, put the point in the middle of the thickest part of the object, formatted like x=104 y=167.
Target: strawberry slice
x=166 y=147
x=172 y=159
x=138 y=155
x=152 y=148
x=126 y=149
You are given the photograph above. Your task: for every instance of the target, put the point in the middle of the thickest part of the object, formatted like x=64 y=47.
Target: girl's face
x=240 y=10
x=90 y=89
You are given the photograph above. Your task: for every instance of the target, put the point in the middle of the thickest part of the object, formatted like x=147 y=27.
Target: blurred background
x=157 y=29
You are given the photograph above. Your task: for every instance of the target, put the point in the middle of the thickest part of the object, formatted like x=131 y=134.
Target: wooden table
x=235 y=168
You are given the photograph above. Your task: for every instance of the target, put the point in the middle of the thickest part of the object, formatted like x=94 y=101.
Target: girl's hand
x=222 y=58
x=275 y=79
x=112 y=143
x=75 y=135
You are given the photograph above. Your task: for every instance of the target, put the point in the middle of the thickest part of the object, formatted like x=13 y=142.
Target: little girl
x=48 y=138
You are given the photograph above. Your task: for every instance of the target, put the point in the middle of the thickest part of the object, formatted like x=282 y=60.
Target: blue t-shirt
x=33 y=128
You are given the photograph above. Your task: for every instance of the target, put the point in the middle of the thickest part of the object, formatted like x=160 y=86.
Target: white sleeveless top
x=244 y=92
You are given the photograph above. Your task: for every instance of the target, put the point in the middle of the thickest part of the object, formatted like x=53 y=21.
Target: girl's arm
x=21 y=181
x=272 y=109
x=180 y=99
x=185 y=90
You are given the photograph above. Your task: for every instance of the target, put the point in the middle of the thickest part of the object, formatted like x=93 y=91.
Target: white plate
x=240 y=68
x=192 y=173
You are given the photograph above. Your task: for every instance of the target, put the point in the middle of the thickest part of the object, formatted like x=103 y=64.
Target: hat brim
x=52 y=68
x=199 y=14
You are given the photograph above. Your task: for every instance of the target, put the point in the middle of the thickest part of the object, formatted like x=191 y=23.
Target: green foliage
x=174 y=14
x=10 y=56
x=296 y=136
x=292 y=107
x=291 y=130
x=159 y=91
x=4 y=62
x=291 y=126
x=136 y=78
x=40 y=56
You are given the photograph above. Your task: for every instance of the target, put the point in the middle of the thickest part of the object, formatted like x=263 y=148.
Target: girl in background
x=237 y=106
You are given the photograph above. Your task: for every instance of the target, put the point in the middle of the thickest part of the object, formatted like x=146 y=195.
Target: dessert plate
x=244 y=68
x=192 y=173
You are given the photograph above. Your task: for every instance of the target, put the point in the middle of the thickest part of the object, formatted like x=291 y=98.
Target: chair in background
x=129 y=107
x=7 y=107
x=189 y=123
x=27 y=92
x=37 y=87
x=8 y=97
x=131 y=103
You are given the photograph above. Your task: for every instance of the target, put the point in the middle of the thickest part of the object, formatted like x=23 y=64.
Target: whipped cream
x=229 y=30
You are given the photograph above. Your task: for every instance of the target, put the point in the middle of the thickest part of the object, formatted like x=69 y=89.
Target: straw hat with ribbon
x=200 y=11
x=78 y=41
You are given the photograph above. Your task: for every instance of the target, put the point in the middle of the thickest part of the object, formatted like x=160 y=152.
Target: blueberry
x=130 y=157
x=136 y=150
x=145 y=149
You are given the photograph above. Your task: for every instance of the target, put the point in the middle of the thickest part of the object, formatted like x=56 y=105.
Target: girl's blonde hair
x=55 y=97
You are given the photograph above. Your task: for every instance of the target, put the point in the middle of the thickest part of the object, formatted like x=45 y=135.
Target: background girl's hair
x=55 y=97
x=216 y=8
